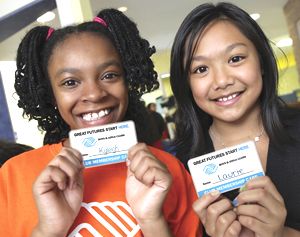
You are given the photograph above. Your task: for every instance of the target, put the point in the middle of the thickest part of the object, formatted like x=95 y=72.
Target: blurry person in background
x=160 y=123
x=10 y=149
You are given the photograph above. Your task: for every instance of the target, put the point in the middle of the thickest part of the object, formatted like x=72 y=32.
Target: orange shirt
x=104 y=209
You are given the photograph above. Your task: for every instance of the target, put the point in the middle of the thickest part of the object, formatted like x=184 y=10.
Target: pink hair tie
x=50 y=31
x=100 y=20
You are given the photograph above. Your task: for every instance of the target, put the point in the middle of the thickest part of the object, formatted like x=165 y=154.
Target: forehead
x=85 y=42
x=220 y=32
x=79 y=47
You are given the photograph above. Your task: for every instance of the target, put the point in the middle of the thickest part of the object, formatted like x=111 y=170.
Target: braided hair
x=33 y=86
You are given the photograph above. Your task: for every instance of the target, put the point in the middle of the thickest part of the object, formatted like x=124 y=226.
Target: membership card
x=226 y=169
x=103 y=145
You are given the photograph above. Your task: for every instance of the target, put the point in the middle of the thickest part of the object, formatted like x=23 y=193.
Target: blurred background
x=158 y=22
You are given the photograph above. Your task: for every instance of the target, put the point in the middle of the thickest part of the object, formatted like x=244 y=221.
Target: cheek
x=64 y=101
x=123 y=96
x=254 y=78
x=199 y=89
x=125 y=100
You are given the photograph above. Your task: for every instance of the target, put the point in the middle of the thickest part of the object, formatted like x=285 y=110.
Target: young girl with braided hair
x=80 y=76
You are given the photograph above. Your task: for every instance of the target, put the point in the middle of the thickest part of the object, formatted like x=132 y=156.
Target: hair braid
x=32 y=85
x=32 y=80
x=135 y=53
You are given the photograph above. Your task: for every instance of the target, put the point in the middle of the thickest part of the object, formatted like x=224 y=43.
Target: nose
x=93 y=91
x=222 y=78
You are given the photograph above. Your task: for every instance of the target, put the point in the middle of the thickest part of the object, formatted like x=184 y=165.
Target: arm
x=147 y=185
x=289 y=232
x=58 y=193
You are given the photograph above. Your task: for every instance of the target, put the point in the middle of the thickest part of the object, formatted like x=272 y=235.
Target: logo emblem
x=116 y=217
x=89 y=142
x=210 y=168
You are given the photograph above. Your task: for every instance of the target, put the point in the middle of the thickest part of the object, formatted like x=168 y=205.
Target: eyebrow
x=227 y=50
x=101 y=67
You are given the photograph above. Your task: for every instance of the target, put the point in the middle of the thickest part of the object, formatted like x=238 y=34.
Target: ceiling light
x=164 y=75
x=122 y=9
x=48 y=16
x=255 y=16
x=284 y=42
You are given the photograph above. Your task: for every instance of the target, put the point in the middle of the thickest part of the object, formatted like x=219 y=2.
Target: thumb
x=129 y=172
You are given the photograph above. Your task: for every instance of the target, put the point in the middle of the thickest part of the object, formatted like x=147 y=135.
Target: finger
x=262 y=197
x=234 y=229
x=73 y=155
x=69 y=167
x=215 y=210
x=141 y=159
x=203 y=202
x=139 y=167
x=254 y=224
x=155 y=176
x=50 y=178
x=142 y=162
x=263 y=218
x=223 y=222
x=266 y=183
x=255 y=211
x=137 y=148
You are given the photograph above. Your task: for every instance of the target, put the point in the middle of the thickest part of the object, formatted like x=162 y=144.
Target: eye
x=110 y=76
x=236 y=59
x=70 y=83
x=201 y=69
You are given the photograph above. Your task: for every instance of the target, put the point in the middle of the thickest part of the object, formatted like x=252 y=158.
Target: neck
x=66 y=142
x=226 y=134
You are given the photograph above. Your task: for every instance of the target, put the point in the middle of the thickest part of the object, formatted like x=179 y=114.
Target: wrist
x=155 y=227
x=38 y=232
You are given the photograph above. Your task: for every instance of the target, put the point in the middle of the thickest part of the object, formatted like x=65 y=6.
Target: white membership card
x=104 y=145
x=226 y=169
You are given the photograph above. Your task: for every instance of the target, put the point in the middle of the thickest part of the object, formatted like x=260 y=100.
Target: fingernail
x=215 y=193
x=127 y=162
x=61 y=185
x=243 y=188
x=74 y=185
x=235 y=202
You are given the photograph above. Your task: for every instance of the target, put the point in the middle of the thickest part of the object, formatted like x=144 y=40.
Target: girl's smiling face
x=225 y=74
x=87 y=80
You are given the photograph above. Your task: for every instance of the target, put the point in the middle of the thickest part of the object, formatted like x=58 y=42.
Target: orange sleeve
x=3 y=206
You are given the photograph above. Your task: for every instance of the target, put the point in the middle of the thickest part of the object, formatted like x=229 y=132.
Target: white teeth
x=224 y=99
x=101 y=113
x=94 y=116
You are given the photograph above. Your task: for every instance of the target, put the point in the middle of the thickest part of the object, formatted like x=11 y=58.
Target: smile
x=230 y=97
x=95 y=116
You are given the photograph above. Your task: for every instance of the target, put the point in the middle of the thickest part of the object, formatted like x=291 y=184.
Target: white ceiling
x=158 y=20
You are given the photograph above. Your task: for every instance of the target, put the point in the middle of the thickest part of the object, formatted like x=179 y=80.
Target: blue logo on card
x=89 y=142
x=210 y=168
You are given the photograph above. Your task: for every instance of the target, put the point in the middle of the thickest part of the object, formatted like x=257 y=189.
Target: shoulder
x=175 y=166
x=164 y=156
x=32 y=160
x=291 y=120
x=289 y=115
